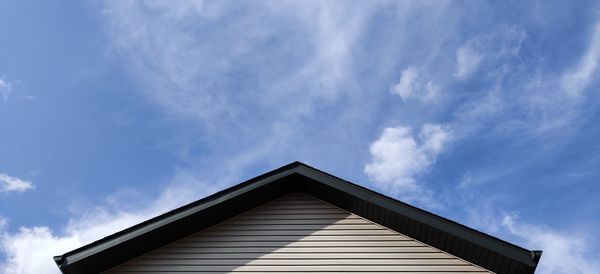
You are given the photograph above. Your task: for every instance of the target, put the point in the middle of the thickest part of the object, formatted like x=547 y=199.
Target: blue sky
x=484 y=112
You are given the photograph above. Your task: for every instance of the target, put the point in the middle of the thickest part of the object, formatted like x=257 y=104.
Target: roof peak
x=452 y=237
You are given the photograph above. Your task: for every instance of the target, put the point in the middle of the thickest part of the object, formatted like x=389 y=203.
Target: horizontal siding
x=296 y=268
x=297 y=234
x=307 y=272
x=297 y=244
x=323 y=221
x=302 y=262
x=246 y=256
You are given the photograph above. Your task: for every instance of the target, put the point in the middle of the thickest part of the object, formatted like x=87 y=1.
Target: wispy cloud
x=467 y=60
x=414 y=85
x=185 y=75
x=251 y=78
x=14 y=184
x=265 y=72
x=5 y=89
x=469 y=180
x=517 y=92
x=577 y=79
x=398 y=157
x=30 y=249
x=564 y=252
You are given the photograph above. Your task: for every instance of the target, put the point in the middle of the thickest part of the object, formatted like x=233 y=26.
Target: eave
x=471 y=245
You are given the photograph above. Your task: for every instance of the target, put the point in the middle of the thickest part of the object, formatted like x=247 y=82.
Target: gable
x=451 y=237
x=297 y=233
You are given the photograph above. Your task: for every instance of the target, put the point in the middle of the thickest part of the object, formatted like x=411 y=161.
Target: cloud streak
x=30 y=249
x=266 y=72
x=14 y=184
x=467 y=60
x=577 y=79
x=5 y=89
x=248 y=80
x=187 y=76
x=564 y=252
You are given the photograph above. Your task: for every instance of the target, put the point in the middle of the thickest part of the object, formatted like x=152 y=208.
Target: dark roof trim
x=459 y=240
x=424 y=218
x=171 y=216
x=513 y=251
x=165 y=220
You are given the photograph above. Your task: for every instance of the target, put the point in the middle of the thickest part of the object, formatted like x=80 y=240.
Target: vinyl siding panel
x=298 y=234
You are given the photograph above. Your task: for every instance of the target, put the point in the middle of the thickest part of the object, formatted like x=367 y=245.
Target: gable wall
x=297 y=233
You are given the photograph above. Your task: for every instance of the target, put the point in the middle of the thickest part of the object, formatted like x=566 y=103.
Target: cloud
x=13 y=184
x=467 y=60
x=30 y=249
x=304 y=54
x=516 y=93
x=414 y=85
x=564 y=252
x=398 y=157
x=5 y=89
x=469 y=180
x=489 y=52
x=577 y=79
x=252 y=88
x=260 y=71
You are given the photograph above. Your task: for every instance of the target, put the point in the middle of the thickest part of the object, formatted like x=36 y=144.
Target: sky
x=484 y=112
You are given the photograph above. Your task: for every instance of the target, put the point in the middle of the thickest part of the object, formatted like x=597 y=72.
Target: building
x=297 y=219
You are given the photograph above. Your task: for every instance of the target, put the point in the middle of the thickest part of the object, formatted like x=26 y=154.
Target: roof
x=471 y=245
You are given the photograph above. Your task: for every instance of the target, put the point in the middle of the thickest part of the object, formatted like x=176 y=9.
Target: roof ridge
x=379 y=208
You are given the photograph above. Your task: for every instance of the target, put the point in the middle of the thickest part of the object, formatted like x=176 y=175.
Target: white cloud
x=270 y=67
x=563 y=252
x=496 y=173
x=5 y=89
x=185 y=75
x=30 y=249
x=521 y=96
x=467 y=60
x=335 y=36
x=489 y=52
x=468 y=180
x=414 y=85
x=576 y=80
x=13 y=184
x=398 y=157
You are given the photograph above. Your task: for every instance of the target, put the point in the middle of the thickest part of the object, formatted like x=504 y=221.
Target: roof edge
x=516 y=254
x=180 y=212
x=529 y=257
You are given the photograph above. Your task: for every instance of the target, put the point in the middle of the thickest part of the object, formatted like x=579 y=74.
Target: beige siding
x=297 y=234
